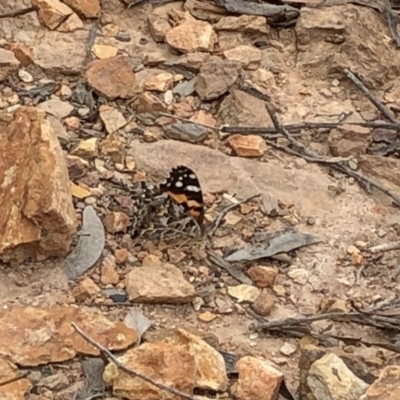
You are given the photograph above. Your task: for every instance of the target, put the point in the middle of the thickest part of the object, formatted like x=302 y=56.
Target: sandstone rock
x=210 y=365
x=112 y=77
x=116 y=221
x=121 y=256
x=158 y=27
x=262 y=276
x=101 y=51
x=112 y=118
x=56 y=107
x=67 y=57
x=287 y=349
x=71 y=24
x=192 y=61
x=85 y=291
x=16 y=390
x=329 y=377
x=87 y=8
x=159 y=284
x=22 y=53
x=241 y=109
x=9 y=63
x=386 y=387
x=258 y=380
x=38 y=215
x=52 y=12
x=146 y=102
x=247 y=145
x=216 y=77
x=163 y=362
x=160 y=83
x=109 y=274
x=248 y=56
x=86 y=148
x=244 y=23
x=191 y=36
x=38 y=335
x=349 y=140
x=311 y=353
x=79 y=192
x=244 y=293
x=207 y=316
x=264 y=81
x=264 y=303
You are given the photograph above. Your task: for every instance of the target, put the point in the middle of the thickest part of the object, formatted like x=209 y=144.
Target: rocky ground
x=98 y=96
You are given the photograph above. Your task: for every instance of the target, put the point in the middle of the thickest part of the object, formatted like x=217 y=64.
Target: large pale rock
x=210 y=365
x=163 y=362
x=38 y=217
x=159 y=284
x=329 y=377
x=32 y=336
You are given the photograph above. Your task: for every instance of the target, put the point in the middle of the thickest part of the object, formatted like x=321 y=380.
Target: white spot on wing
x=178 y=184
x=192 y=188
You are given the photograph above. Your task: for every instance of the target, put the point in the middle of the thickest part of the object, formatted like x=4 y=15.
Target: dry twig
x=385 y=247
x=106 y=353
x=370 y=96
x=18 y=13
x=15 y=378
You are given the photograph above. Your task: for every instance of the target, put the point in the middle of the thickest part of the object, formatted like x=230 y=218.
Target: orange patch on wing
x=179 y=198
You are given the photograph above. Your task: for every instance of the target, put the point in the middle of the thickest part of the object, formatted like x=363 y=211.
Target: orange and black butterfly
x=184 y=188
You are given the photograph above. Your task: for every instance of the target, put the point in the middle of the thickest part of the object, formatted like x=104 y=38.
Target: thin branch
x=306 y=125
x=18 y=13
x=225 y=211
x=129 y=371
x=385 y=247
x=370 y=96
x=15 y=378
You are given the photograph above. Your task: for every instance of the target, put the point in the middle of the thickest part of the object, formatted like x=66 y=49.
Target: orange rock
x=88 y=8
x=112 y=77
x=32 y=336
x=258 y=380
x=247 y=145
x=109 y=274
x=38 y=215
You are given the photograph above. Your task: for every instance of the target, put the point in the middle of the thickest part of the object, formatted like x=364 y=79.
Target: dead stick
x=225 y=211
x=370 y=96
x=18 y=13
x=304 y=125
x=385 y=247
x=129 y=371
x=15 y=378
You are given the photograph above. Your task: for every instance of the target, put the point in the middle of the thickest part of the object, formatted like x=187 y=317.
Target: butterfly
x=183 y=186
